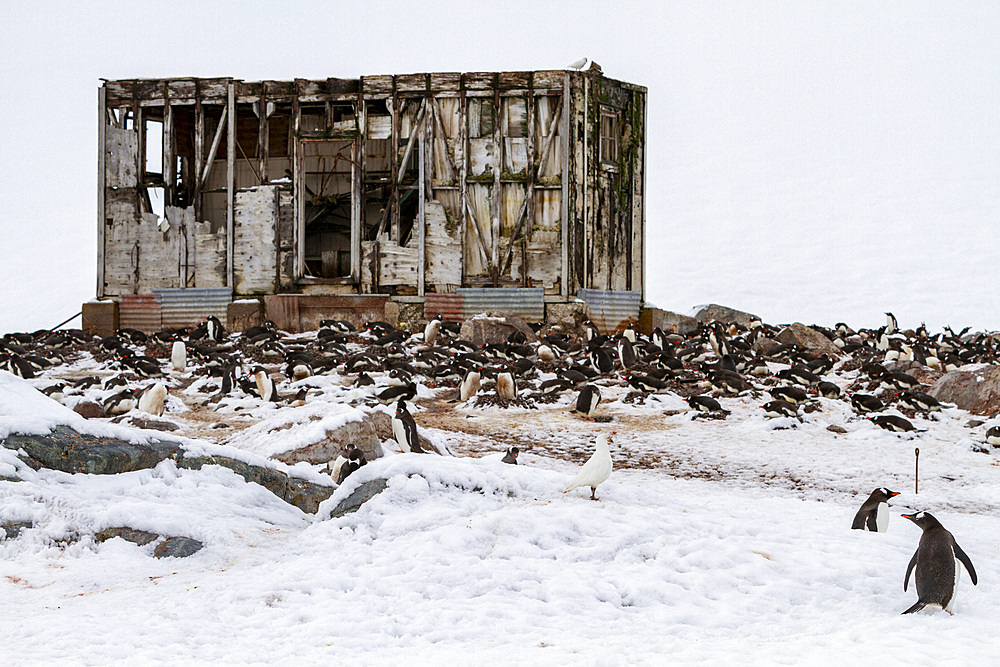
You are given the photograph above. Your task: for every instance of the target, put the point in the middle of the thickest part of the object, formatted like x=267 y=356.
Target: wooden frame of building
x=404 y=185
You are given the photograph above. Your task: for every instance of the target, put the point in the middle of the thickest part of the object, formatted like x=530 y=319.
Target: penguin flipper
x=967 y=562
x=859 y=521
x=871 y=523
x=917 y=606
x=906 y=579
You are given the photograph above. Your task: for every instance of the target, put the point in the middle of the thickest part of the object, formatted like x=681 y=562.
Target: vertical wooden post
x=262 y=138
x=356 y=191
x=642 y=206
x=916 y=470
x=395 y=166
x=230 y=183
x=298 y=190
x=102 y=148
x=585 y=280
x=564 y=179
x=463 y=170
x=199 y=153
x=167 y=167
x=497 y=187
x=421 y=193
x=529 y=191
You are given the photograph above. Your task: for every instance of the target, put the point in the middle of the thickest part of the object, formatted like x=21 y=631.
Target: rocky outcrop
x=177 y=547
x=566 y=317
x=89 y=410
x=670 y=322
x=976 y=390
x=365 y=492
x=69 y=451
x=494 y=328
x=808 y=338
x=924 y=375
x=724 y=314
x=366 y=433
x=140 y=537
x=72 y=452
x=298 y=492
x=12 y=529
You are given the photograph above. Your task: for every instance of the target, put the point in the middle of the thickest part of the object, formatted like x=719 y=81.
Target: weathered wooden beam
x=299 y=183
x=529 y=190
x=422 y=209
x=230 y=183
x=564 y=180
x=102 y=148
x=199 y=155
x=167 y=168
x=357 y=193
x=497 y=188
x=414 y=131
x=479 y=237
x=262 y=139
x=463 y=134
x=390 y=213
x=215 y=147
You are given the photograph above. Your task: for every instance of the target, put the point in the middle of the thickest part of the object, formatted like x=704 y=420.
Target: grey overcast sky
x=806 y=160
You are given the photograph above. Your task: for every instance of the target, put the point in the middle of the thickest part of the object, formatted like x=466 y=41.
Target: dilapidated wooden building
x=403 y=185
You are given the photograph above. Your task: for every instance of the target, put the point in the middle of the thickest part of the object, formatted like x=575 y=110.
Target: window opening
x=609 y=137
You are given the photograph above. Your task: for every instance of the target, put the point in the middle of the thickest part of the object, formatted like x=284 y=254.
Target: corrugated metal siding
x=140 y=311
x=451 y=307
x=609 y=309
x=186 y=307
x=525 y=302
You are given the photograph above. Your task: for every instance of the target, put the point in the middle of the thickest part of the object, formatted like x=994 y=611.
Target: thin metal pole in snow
x=916 y=470
x=65 y=321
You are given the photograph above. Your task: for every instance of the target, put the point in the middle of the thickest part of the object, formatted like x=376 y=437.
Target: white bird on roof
x=578 y=64
x=596 y=470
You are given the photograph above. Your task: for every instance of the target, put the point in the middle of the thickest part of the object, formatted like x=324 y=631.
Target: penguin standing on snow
x=511 y=456
x=152 y=398
x=506 y=385
x=587 y=401
x=265 y=385
x=874 y=512
x=936 y=562
x=178 y=356
x=596 y=470
x=404 y=430
x=470 y=385
x=431 y=330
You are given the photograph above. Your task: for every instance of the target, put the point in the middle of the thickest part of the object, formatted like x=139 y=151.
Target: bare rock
x=566 y=318
x=13 y=528
x=494 y=328
x=763 y=346
x=177 y=547
x=89 y=410
x=151 y=424
x=132 y=535
x=923 y=374
x=808 y=338
x=365 y=492
x=366 y=434
x=724 y=314
x=976 y=390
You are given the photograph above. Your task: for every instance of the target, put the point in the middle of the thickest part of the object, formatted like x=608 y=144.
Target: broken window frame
x=610 y=135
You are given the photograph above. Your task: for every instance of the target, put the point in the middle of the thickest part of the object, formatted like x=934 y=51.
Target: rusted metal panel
x=611 y=310
x=140 y=311
x=411 y=82
x=451 y=307
x=298 y=312
x=187 y=307
x=527 y=303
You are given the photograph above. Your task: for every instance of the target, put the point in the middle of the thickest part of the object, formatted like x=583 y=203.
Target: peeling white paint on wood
x=255 y=221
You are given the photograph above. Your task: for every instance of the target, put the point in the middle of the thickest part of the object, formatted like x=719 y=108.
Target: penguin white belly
x=399 y=433
x=954 y=590
x=882 y=517
x=178 y=356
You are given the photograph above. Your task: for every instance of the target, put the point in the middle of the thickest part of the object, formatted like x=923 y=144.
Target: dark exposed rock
x=298 y=492
x=494 y=328
x=670 y=322
x=724 y=314
x=763 y=346
x=139 y=537
x=89 y=410
x=14 y=528
x=833 y=428
x=977 y=391
x=365 y=492
x=151 y=424
x=367 y=434
x=66 y=450
x=808 y=338
x=177 y=547
x=923 y=374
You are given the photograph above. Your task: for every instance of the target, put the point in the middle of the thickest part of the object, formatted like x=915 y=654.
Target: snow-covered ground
x=714 y=541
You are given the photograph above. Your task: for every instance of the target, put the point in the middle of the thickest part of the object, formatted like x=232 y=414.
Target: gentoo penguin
x=629 y=333
x=626 y=353
x=600 y=360
x=470 y=385
x=546 y=353
x=214 y=330
x=511 y=456
x=779 y=408
x=993 y=436
x=920 y=402
x=706 y=404
x=265 y=385
x=936 y=564
x=596 y=470
x=874 y=512
x=891 y=326
x=431 y=330
x=506 y=386
x=894 y=423
x=587 y=401
x=404 y=429
x=120 y=403
x=405 y=392
x=151 y=399
x=828 y=389
x=792 y=395
x=178 y=356
x=337 y=471
x=592 y=331
x=345 y=470
x=864 y=403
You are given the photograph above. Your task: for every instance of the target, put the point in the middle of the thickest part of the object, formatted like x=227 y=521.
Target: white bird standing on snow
x=596 y=470
x=578 y=64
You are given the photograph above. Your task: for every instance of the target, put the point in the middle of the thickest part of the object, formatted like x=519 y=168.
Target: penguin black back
x=936 y=574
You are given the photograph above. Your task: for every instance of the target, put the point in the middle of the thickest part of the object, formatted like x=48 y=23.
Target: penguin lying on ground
x=596 y=470
x=936 y=562
x=874 y=512
x=511 y=456
x=587 y=401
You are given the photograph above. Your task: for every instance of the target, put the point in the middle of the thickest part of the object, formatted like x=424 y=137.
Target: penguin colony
x=715 y=361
